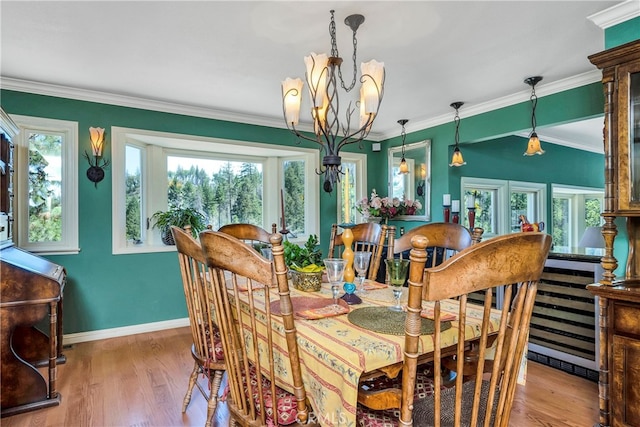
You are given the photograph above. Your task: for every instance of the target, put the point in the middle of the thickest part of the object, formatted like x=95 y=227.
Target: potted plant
x=180 y=217
x=305 y=264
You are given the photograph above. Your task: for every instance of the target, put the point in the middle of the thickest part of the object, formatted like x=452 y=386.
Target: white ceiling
x=226 y=59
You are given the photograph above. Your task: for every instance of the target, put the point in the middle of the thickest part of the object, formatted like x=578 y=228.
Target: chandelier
x=323 y=73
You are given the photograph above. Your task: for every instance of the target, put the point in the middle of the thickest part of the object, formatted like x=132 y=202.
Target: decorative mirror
x=416 y=183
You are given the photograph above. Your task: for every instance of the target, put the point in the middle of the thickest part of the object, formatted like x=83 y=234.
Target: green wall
x=622 y=33
x=490 y=153
x=107 y=291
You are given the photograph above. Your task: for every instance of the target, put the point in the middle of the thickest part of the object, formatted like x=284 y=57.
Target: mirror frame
x=426 y=144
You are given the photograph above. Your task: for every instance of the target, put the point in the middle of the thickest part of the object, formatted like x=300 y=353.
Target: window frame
x=576 y=196
x=69 y=242
x=157 y=145
x=360 y=160
x=502 y=208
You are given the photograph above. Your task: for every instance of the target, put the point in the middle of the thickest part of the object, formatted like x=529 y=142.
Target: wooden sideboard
x=619 y=298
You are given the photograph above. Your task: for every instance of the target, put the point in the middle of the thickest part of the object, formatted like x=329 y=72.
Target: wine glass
x=397 y=270
x=335 y=273
x=361 y=264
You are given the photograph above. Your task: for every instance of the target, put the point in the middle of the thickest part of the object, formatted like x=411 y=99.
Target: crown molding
x=168 y=107
x=513 y=99
x=616 y=14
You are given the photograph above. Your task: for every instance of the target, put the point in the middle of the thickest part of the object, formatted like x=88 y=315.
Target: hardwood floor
x=140 y=381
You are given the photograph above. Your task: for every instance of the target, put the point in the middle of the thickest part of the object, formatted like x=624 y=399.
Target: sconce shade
x=592 y=238
x=534 y=146
x=456 y=159
x=97 y=139
x=95 y=173
x=423 y=171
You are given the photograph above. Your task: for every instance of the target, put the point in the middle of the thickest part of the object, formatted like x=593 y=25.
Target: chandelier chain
x=456 y=119
x=534 y=103
x=336 y=54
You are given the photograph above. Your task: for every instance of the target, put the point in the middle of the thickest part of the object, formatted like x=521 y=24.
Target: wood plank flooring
x=140 y=381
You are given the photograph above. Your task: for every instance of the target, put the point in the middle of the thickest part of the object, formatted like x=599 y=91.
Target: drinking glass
x=361 y=261
x=397 y=270
x=335 y=273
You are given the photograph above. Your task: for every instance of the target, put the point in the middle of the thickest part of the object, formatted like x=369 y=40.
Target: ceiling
x=226 y=59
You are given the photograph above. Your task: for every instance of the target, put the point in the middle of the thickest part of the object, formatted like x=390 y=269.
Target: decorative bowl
x=306 y=282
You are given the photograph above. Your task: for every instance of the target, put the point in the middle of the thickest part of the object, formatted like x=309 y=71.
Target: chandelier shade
x=403 y=169
x=324 y=78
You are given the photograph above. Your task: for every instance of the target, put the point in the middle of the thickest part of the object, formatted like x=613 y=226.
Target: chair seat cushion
x=389 y=418
x=286 y=404
x=215 y=347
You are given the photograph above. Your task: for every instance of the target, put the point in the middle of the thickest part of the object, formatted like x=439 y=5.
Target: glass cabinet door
x=628 y=137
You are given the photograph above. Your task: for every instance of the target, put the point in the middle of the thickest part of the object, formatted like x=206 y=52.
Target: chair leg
x=213 y=396
x=192 y=382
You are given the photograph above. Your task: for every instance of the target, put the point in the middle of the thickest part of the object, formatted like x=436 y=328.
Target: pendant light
x=456 y=159
x=533 y=147
x=404 y=167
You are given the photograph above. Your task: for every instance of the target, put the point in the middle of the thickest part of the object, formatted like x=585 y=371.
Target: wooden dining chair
x=251 y=234
x=261 y=360
x=445 y=240
x=515 y=261
x=367 y=237
x=207 y=351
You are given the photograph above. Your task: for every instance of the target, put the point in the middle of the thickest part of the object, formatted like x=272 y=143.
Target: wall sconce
x=404 y=167
x=456 y=159
x=533 y=147
x=95 y=173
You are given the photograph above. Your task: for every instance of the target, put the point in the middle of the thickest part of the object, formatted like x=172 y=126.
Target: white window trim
x=576 y=195
x=502 y=206
x=540 y=191
x=168 y=142
x=69 y=242
x=360 y=159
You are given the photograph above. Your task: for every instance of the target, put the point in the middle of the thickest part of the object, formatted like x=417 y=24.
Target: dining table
x=338 y=351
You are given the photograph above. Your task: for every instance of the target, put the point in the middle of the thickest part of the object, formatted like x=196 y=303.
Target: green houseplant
x=180 y=217
x=305 y=264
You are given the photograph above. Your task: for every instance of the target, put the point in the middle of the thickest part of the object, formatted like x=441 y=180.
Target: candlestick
x=446 y=204
x=455 y=210
x=472 y=218
x=349 y=274
x=284 y=230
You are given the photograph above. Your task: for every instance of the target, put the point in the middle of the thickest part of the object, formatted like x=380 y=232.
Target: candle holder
x=455 y=211
x=446 y=210
x=472 y=218
x=349 y=275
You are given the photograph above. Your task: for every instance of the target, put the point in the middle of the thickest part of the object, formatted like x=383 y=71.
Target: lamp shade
x=317 y=77
x=97 y=139
x=456 y=159
x=292 y=96
x=533 y=147
x=592 y=238
x=372 y=81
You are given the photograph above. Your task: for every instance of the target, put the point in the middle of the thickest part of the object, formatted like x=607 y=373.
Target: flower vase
x=375 y=219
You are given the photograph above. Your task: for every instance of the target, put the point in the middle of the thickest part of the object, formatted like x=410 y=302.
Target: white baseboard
x=79 y=337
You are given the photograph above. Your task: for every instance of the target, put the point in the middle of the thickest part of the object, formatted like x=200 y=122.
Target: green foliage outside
x=45 y=210
x=232 y=195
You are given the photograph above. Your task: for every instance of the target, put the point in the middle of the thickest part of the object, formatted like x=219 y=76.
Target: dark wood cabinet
x=31 y=290
x=8 y=130
x=619 y=298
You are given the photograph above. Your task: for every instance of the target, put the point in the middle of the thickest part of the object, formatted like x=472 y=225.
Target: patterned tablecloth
x=335 y=353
